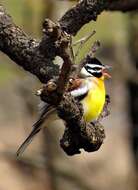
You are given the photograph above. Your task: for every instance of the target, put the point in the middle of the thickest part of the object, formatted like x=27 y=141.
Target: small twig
x=82 y=41
x=95 y=47
x=91 y=53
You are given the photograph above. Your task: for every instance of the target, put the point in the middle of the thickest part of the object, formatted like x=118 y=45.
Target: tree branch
x=125 y=5
x=87 y=10
x=37 y=58
x=25 y=51
x=82 y=13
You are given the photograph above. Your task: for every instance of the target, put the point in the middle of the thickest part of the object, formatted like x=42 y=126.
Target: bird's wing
x=47 y=110
x=81 y=91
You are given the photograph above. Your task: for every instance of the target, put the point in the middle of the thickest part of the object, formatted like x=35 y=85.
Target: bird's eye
x=97 y=69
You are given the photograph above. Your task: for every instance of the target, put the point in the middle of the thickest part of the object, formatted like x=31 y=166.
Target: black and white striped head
x=93 y=68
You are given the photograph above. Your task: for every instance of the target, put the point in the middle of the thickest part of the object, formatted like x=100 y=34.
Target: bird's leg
x=95 y=122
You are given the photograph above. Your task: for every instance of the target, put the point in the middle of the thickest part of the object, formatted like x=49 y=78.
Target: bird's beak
x=105 y=73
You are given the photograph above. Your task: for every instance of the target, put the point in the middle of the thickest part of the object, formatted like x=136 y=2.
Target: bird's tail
x=47 y=111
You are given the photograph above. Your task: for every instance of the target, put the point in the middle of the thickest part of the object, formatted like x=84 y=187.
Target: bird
x=88 y=89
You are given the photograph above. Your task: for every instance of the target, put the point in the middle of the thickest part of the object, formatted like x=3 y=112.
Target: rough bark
x=24 y=50
x=88 y=10
x=37 y=58
x=82 y=13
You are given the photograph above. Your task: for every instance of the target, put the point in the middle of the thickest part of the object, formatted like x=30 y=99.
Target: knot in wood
x=51 y=29
x=51 y=86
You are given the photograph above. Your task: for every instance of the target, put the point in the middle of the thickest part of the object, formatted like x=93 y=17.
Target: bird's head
x=95 y=68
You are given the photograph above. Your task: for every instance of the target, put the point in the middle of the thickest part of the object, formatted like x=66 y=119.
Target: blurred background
x=44 y=165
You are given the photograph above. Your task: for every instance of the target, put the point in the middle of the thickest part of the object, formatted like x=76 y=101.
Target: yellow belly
x=93 y=104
